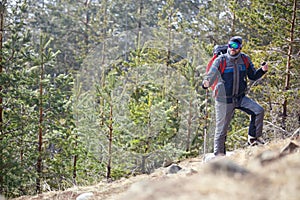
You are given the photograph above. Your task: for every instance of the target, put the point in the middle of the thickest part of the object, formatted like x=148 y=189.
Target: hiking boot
x=253 y=141
x=260 y=140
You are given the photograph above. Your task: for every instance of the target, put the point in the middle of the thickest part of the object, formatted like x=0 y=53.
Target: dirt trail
x=259 y=172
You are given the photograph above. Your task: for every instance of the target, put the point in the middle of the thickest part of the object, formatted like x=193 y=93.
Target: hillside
x=260 y=172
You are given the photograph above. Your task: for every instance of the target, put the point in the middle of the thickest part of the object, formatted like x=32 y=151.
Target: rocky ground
x=261 y=172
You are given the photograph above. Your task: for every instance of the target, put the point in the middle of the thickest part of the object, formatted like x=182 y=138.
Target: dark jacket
x=232 y=85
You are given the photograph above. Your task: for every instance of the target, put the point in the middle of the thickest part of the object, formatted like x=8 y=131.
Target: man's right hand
x=205 y=84
x=264 y=66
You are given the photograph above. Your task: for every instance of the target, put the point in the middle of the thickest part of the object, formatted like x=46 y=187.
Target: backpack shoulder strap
x=222 y=64
x=211 y=62
x=246 y=60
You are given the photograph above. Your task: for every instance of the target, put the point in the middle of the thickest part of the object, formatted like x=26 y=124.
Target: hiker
x=230 y=93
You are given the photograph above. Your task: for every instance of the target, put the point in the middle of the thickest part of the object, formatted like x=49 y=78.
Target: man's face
x=234 y=48
x=234 y=51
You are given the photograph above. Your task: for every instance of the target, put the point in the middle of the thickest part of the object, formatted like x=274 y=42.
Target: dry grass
x=276 y=179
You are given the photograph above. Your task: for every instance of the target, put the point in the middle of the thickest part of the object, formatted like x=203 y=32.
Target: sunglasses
x=234 y=45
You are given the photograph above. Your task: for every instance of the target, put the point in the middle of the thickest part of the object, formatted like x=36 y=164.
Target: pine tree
x=22 y=102
x=277 y=43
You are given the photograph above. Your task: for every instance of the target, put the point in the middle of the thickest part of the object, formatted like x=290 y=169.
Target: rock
x=211 y=156
x=167 y=162
x=189 y=171
x=85 y=196
x=270 y=156
x=289 y=148
x=173 y=169
x=226 y=166
x=267 y=157
x=208 y=157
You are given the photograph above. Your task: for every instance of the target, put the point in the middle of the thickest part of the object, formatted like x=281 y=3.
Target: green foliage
x=18 y=145
x=130 y=102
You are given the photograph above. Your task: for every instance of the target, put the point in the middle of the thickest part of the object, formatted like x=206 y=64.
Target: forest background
x=93 y=90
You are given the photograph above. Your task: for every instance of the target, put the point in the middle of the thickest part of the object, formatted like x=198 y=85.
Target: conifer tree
x=21 y=115
x=278 y=43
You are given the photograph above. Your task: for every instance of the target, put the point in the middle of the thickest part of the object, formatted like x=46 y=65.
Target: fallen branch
x=297 y=131
x=277 y=127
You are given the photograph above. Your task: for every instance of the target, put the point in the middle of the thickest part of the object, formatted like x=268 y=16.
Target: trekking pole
x=205 y=125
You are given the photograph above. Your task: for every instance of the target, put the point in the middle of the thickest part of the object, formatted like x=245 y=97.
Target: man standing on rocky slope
x=230 y=93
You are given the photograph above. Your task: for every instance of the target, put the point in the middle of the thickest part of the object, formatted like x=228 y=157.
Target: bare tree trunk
x=75 y=157
x=188 y=141
x=40 y=135
x=40 y=138
x=233 y=24
x=140 y=15
x=1 y=71
x=104 y=35
x=86 y=39
x=288 y=65
x=168 y=59
x=110 y=137
x=1 y=67
x=75 y=163
x=87 y=21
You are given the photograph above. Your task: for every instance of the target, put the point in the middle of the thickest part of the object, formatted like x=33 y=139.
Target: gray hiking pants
x=224 y=114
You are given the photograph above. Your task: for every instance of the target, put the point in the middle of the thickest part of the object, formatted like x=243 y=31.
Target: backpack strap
x=222 y=65
x=247 y=63
x=246 y=60
x=211 y=62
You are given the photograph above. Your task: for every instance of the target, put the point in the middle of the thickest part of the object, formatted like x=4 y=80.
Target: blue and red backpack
x=219 y=50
